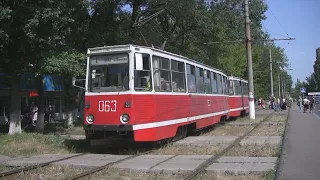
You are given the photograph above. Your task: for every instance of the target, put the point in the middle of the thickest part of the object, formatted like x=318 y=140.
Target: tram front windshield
x=109 y=73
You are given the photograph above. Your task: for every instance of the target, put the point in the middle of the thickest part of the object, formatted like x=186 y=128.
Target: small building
x=53 y=87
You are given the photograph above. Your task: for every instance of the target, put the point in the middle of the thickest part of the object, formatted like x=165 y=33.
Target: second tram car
x=238 y=97
x=146 y=94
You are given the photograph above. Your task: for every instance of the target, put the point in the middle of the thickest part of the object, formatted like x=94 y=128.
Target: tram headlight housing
x=124 y=118
x=90 y=119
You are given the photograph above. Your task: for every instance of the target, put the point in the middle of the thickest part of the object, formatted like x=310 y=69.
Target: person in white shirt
x=305 y=104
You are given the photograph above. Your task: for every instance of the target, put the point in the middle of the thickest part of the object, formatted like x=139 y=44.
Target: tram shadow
x=104 y=146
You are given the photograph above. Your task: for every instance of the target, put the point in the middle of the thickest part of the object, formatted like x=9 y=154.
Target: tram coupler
x=90 y=131
x=123 y=133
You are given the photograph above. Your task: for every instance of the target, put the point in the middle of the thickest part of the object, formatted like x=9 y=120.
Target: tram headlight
x=124 y=118
x=90 y=119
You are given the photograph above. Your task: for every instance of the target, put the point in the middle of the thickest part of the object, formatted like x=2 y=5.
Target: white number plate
x=107 y=106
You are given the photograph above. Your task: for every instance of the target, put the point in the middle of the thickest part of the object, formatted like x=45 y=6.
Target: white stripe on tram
x=181 y=120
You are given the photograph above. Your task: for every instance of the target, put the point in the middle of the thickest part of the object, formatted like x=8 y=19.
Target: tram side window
x=226 y=86
x=214 y=83
x=241 y=88
x=219 y=83
x=222 y=84
x=161 y=74
x=231 y=87
x=191 y=78
x=178 y=76
x=237 y=87
x=142 y=73
x=247 y=89
x=199 y=80
x=207 y=82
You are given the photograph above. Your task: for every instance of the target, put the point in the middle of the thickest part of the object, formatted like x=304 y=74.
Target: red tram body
x=147 y=95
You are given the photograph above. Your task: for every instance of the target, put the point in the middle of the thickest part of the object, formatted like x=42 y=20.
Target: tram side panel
x=246 y=103
x=207 y=110
x=169 y=112
x=235 y=103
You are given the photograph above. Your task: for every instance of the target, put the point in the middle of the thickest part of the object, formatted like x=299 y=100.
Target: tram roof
x=128 y=47
x=237 y=78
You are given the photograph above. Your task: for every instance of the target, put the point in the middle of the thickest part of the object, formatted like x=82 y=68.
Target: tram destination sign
x=109 y=59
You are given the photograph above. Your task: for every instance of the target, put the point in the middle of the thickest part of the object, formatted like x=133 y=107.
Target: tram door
x=242 y=93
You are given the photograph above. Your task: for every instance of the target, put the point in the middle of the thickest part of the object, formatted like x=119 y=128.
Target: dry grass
x=122 y=174
x=5 y=168
x=266 y=150
x=221 y=176
x=229 y=130
x=278 y=118
x=173 y=149
x=48 y=173
x=75 y=131
x=31 y=144
x=268 y=130
x=247 y=119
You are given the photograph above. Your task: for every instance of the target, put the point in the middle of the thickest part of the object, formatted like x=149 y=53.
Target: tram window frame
x=175 y=73
x=214 y=84
x=231 y=90
x=191 y=76
x=207 y=82
x=163 y=71
x=137 y=74
x=199 y=80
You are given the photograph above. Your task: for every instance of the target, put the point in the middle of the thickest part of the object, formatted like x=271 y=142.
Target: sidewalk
x=301 y=153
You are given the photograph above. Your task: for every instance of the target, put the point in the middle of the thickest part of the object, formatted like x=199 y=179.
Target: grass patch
x=31 y=144
x=49 y=173
x=6 y=168
x=117 y=174
x=270 y=175
x=278 y=118
x=247 y=119
x=62 y=129
x=225 y=176
x=266 y=150
x=229 y=130
x=173 y=149
x=268 y=130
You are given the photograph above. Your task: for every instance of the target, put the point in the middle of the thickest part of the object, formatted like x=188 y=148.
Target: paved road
x=301 y=157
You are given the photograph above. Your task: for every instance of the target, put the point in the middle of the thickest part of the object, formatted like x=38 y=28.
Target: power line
x=272 y=31
x=253 y=40
x=278 y=21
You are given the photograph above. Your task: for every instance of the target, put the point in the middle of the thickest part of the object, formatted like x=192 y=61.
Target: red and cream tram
x=147 y=94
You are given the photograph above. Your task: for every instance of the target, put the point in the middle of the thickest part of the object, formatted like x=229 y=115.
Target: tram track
x=202 y=167
x=193 y=174
x=31 y=167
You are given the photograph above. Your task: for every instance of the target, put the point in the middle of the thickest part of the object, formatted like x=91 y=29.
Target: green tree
x=30 y=32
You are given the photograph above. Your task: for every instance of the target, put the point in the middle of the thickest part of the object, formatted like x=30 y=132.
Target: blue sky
x=301 y=20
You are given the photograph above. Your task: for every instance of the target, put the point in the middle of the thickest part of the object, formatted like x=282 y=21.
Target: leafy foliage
x=67 y=64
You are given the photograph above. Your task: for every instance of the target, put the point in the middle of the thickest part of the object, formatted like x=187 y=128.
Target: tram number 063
x=107 y=106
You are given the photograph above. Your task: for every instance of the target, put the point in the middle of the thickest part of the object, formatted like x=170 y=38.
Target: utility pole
x=279 y=83
x=249 y=60
x=271 y=73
